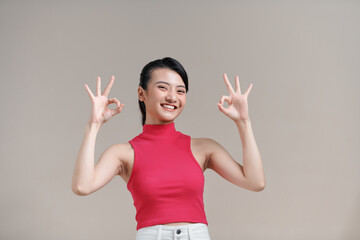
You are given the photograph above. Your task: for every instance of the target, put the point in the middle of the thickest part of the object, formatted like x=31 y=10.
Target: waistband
x=175 y=231
x=184 y=227
x=181 y=227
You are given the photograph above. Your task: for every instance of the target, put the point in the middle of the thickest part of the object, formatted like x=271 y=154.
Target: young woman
x=162 y=167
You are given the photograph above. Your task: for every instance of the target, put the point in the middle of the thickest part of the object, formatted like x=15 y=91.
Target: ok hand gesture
x=238 y=106
x=100 y=112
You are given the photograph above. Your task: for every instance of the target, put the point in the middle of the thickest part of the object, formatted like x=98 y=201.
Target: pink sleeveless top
x=166 y=182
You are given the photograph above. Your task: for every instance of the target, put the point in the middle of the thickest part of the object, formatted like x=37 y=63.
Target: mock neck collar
x=161 y=130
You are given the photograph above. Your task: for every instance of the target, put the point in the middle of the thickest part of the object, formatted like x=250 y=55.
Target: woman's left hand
x=238 y=106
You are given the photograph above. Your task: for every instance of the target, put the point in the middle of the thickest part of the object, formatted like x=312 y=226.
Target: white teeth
x=169 y=106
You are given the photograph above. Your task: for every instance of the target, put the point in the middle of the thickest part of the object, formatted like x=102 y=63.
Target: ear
x=141 y=93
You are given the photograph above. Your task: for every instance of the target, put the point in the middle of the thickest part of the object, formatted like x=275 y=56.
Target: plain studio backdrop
x=303 y=58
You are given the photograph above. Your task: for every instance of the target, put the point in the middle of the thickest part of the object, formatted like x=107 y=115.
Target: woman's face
x=165 y=96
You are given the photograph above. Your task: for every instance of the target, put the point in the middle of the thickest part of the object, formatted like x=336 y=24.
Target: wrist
x=93 y=126
x=242 y=121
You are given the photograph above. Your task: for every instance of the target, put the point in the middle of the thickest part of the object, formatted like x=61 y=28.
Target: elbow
x=79 y=191
x=256 y=187
x=260 y=187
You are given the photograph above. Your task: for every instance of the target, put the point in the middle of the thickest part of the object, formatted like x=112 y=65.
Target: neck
x=159 y=129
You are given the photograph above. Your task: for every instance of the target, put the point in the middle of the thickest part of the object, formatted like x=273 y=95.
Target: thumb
x=222 y=109
x=117 y=110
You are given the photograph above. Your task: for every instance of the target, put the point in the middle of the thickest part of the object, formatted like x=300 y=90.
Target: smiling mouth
x=168 y=106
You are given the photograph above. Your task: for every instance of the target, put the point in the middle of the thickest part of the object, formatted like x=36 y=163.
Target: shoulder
x=205 y=142
x=206 y=145
x=124 y=153
x=210 y=147
x=120 y=147
x=121 y=151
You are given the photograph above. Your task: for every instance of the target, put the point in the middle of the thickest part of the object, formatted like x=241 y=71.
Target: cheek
x=183 y=101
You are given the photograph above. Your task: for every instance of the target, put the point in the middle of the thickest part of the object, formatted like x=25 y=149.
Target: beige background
x=302 y=56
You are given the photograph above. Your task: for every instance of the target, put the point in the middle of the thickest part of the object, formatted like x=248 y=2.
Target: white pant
x=193 y=231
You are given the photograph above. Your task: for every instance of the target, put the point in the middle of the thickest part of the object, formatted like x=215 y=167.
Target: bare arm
x=253 y=167
x=251 y=175
x=85 y=180
x=84 y=166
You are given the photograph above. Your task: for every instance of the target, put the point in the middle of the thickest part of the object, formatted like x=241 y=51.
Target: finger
x=237 y=84
x=98 y=86
x=222 y=109
x=228 y=85
x=109 y=86
x=226 y=98
x=121 y=107
x=117 y=110
x=114 y=100
x=248 y=90
x=91 y=95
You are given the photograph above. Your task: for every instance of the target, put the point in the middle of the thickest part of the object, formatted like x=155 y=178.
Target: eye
x=181 y=91
x=162 y=87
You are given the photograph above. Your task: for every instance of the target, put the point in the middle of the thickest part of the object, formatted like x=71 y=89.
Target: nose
x=171 y=96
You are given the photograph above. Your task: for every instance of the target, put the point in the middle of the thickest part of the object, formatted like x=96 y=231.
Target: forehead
x=166 y=75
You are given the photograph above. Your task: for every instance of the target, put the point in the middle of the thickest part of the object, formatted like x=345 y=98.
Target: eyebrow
x=169 y=84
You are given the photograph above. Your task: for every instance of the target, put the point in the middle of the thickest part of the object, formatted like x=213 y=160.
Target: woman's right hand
x=100 y=112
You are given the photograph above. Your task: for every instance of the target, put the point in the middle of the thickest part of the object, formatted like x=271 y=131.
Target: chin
x=166 y=116
x=167 y=119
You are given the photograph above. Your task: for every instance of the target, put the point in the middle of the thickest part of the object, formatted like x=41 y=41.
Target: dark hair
x=146 y=72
